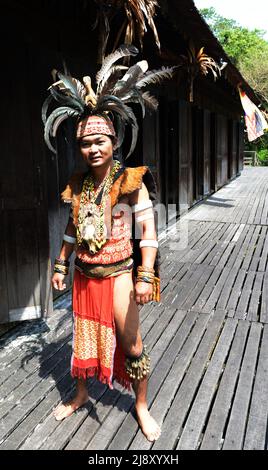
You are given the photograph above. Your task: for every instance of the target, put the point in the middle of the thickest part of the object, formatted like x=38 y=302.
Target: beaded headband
x=95 y=125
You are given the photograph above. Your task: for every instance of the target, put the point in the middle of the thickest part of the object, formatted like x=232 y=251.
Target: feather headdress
x=117 y=87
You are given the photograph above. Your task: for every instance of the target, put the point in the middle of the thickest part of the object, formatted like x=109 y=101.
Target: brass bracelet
x=156 y=290
x=61 y=266
x=58 y=268
x=145 y=268
x=146 y=271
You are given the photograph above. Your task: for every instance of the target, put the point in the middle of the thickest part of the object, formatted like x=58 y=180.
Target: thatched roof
x=186 y=18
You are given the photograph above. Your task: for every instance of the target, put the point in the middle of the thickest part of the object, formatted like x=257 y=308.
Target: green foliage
x=263 y=156
x=248 y=51
x=239 y=43
x=261 y=146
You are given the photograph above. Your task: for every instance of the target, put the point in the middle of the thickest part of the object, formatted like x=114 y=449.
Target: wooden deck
x=208 y=340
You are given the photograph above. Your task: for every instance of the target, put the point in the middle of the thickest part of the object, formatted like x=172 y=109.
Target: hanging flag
x=255 y=121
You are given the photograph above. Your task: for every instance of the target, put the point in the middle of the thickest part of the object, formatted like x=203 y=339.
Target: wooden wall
x=33 y=218
x=24 y=234
x=221 y=150
x=199 y=150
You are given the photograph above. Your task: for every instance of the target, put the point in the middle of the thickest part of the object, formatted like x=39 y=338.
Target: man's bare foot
x=148 y=425
x=67 y=409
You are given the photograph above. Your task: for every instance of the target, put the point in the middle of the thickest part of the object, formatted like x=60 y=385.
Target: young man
x=96 y=141
x=111 y=277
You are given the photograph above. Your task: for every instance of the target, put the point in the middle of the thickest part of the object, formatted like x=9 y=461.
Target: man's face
x=96 y=150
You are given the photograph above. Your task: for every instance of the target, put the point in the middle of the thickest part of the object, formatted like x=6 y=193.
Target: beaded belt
x=104 y=270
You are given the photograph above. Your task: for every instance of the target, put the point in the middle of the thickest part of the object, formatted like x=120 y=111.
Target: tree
x=255 y=70
x=247 y=49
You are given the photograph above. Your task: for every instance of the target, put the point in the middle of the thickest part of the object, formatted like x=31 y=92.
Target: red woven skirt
x=96 y=352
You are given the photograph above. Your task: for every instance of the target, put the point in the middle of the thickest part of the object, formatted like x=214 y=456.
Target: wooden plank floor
x=208 y=340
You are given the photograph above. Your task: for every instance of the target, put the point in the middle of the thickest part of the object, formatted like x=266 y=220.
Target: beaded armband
x=61 y=266
x=145 y=274
x=151 y=243
x=69 y=239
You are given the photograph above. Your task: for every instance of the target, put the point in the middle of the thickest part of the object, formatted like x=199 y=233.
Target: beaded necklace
x=91 y=228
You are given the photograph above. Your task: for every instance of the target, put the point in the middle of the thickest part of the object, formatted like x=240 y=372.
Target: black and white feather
x=117 y=87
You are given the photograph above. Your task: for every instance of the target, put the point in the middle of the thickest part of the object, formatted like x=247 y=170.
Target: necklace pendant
x=92 y=229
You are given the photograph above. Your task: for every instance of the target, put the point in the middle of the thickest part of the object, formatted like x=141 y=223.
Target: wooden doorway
x=25 y=291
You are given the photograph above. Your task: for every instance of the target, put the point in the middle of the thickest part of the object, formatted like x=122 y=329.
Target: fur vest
x=130 y=180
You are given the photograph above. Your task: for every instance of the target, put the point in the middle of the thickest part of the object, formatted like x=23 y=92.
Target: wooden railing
x=250 y=158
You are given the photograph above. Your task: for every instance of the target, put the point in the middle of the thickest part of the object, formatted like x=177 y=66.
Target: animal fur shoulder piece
x=132 y=179
x=127 y=183
x=73 y=187
x=72 y=193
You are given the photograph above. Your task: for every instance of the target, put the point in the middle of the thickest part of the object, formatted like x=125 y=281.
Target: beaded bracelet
x=144 y=274
x=58 y=268
x=145 y=279
x=62 y=262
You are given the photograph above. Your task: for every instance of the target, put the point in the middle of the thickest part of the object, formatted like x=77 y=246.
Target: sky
x=251 y=14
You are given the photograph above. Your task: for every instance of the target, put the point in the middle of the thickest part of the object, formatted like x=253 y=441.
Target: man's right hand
x=57 y=281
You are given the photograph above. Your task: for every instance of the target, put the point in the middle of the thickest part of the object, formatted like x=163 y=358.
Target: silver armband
x=141 y=218
x=68 y=239
x=142 y=205
x=151 y=243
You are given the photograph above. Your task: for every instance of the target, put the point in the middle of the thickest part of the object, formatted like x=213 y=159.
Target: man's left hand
x=143 y=292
